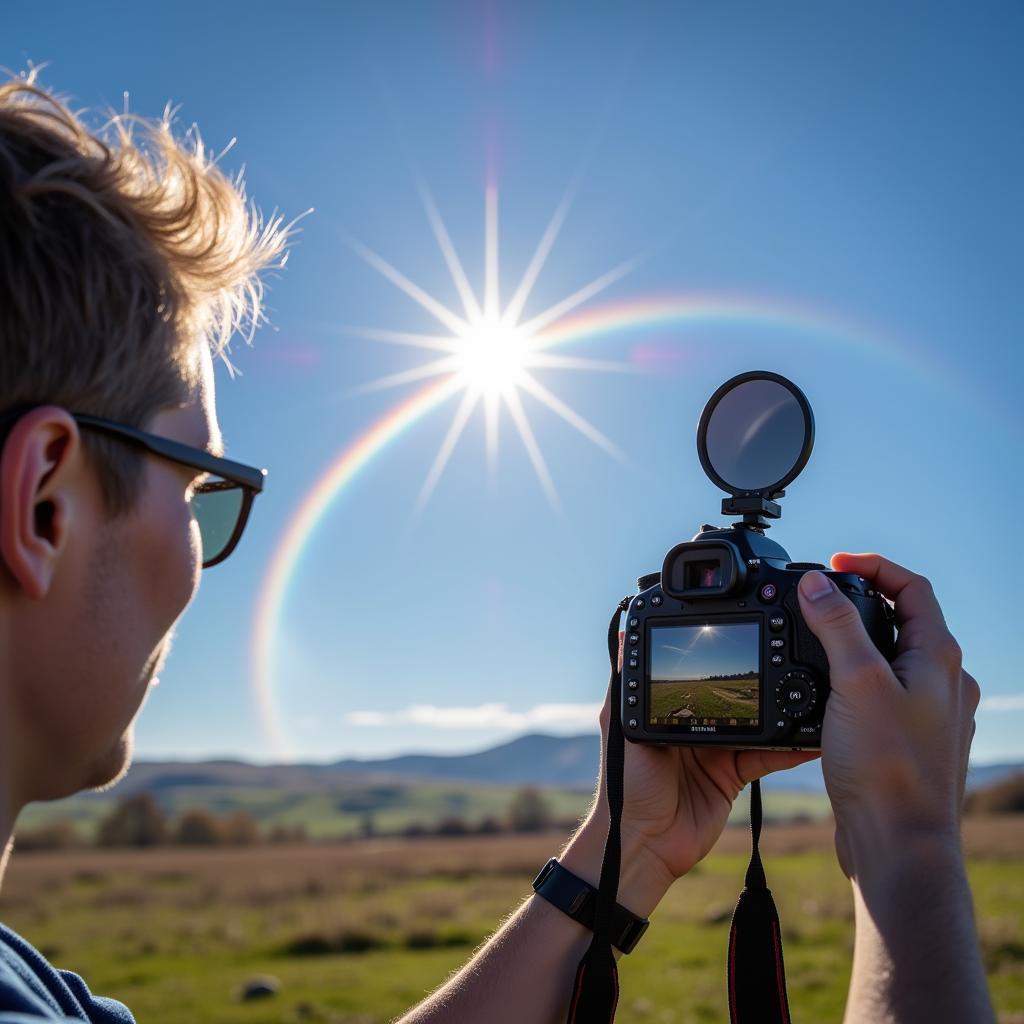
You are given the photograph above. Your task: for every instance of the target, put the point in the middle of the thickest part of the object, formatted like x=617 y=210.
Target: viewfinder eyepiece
x=703 y=569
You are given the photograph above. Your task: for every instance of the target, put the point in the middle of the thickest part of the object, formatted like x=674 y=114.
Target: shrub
x=529 y=811
x=135 y=821
x=452 y=825
x=1004 y=797
x=54 y=835
x=240 y=829
x=198 y=828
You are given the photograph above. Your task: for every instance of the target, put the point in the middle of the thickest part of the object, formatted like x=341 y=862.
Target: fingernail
x=815 y=585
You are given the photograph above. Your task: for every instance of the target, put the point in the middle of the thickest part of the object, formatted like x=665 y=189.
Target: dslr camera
x=716 y=651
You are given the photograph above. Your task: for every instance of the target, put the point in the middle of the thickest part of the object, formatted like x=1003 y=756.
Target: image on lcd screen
x=704 y=675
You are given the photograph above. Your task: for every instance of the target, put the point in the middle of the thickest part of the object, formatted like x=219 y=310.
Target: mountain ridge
x=533 y=759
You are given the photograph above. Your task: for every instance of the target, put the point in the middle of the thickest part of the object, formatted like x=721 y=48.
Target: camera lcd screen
x=704 y=675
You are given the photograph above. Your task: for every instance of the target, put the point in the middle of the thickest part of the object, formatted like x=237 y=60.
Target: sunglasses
x=220 y=503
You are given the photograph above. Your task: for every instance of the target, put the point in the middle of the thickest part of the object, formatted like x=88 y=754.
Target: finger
x=917 y=609
x=605 y=716
x=835 y=621
x=755 y=764
x=965 y=761
x=972 y=691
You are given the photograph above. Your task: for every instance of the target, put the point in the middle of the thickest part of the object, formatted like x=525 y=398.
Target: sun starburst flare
x=488 y=352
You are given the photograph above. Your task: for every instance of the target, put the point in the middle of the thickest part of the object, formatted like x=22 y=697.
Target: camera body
x=717 y=653
x=716 y=650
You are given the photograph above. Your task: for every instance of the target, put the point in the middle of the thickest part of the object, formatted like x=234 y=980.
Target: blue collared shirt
x=31 y=990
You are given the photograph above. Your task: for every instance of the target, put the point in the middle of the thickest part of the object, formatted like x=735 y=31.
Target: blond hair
x=121 y=249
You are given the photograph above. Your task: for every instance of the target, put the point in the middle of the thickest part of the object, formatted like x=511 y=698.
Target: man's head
x=127 y=260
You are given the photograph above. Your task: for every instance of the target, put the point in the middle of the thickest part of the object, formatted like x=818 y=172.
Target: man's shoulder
x=32 y=990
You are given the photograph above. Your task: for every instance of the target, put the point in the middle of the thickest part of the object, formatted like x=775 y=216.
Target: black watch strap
x=562 y=889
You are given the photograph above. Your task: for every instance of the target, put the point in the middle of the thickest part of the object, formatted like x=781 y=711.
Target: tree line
x=140 y=821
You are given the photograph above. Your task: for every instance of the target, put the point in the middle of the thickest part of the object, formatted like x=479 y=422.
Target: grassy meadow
x=357 y=932
x=705 y=698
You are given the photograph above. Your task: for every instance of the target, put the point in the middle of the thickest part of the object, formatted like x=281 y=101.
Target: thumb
x=834 y=620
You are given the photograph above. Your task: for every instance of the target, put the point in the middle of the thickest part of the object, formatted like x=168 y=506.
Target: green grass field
x=358 y=932
x=717 y=698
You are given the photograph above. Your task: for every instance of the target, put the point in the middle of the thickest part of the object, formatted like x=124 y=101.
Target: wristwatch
x=562 y=889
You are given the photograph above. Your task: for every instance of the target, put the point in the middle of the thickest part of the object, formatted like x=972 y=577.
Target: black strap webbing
x=757 y=974
x=595 y=992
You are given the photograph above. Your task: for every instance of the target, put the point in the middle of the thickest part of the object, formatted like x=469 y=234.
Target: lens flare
x=490 y=354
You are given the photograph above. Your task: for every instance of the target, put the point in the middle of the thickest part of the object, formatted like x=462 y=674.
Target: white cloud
x=481 y=716
x=1009 y=702
x=370 y=718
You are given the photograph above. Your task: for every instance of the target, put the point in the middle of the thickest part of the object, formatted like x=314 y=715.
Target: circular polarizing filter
x=755 y=434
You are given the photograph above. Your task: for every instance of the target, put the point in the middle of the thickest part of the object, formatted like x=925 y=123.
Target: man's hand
x=677 y=799
x=896 y=737
x=894 y=752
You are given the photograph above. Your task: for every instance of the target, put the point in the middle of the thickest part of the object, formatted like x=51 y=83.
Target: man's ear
x=41 y=458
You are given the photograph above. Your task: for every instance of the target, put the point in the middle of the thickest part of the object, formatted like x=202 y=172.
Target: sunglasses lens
x=217 y=511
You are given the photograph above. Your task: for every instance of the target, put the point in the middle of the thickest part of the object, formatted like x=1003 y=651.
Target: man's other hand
x=896 y=736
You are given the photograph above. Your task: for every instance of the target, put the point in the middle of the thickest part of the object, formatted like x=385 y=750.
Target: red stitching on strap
x=732 y=975
x=576 y=995
x=783 y=1008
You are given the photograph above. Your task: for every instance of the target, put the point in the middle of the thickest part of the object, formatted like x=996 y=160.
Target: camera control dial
x=796 y=695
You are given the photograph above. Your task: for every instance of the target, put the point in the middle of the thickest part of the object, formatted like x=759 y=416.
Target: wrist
x=643 y=878
x=875 y=851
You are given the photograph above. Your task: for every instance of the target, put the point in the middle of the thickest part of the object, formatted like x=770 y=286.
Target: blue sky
x=692 y=652
x=846 y=179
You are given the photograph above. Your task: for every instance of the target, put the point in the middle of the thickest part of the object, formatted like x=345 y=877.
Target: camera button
x=634 y=638
x=634 y=663
x=633 y=623
x=632 y=684
x=768 y=592
x=777 y=643
x=777 y=659
x=796 y=695
x=631 y=700
x=776 y=623
x=632 y=723
x=657 y=600
x=639 y=603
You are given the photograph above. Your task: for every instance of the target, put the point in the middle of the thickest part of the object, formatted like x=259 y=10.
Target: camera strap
x=756 y=972
x=595 y=992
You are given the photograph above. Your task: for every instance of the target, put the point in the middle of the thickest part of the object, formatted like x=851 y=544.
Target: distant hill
x=536 y=759
x=393 y=794
x=561 y=762
x=564 y=762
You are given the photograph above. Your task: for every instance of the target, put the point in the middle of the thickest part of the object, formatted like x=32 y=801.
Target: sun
x=489 y=352
x=493 y=358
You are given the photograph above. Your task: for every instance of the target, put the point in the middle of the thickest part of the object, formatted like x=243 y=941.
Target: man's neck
x=10 y=806
x=7 y=817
